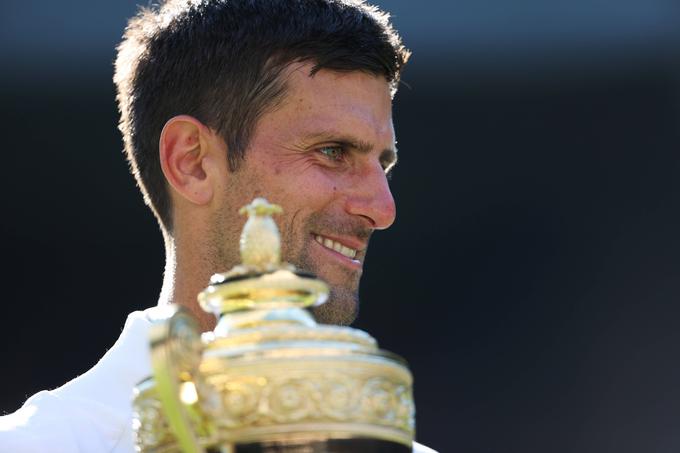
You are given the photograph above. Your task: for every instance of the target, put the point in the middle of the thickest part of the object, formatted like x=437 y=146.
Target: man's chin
x=341 y=308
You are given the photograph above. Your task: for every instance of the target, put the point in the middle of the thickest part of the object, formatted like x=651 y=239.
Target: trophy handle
x=176 y=350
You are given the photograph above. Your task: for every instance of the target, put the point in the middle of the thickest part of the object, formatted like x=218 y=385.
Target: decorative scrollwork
x=257 y=401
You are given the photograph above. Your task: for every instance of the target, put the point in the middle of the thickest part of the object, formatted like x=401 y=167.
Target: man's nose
x=370 y=197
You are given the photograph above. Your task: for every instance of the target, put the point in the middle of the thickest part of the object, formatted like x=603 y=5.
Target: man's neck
x=182 y=281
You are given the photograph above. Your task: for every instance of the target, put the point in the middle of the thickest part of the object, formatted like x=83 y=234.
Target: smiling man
x=290 y=100
x=223 y=101
x=322 y=154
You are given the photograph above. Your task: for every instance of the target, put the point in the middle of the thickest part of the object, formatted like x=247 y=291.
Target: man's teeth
x=348 y=252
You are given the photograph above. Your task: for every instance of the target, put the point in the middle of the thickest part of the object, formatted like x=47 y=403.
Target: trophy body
x=268 y=378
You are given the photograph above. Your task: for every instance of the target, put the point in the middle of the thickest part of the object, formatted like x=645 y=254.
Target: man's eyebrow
x=388 y=156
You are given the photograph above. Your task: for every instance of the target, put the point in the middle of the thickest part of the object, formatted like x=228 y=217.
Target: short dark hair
x=220 y=62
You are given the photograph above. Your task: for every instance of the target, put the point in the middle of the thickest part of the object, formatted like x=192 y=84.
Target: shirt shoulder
x=91 y=412
x=39 y=425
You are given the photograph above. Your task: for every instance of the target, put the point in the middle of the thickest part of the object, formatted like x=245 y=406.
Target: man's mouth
x=336 y=246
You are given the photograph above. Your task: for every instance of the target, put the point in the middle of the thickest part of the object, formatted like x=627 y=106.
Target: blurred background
x=532 y=279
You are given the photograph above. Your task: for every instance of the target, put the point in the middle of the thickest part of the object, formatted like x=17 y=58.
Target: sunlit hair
x=220 y=61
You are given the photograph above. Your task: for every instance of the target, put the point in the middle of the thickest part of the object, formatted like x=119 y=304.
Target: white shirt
x=93 y=412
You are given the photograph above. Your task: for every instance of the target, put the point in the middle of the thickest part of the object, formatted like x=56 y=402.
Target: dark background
x=531 y=278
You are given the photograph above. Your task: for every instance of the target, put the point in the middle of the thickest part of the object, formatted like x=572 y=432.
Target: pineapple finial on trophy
x=260 y=243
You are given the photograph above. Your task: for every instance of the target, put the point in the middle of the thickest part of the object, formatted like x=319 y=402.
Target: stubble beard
x=342 y=306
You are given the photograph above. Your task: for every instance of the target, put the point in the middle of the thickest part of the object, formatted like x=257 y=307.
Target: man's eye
x=332 y=152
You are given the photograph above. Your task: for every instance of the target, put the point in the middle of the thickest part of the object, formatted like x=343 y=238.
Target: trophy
x=269 y=378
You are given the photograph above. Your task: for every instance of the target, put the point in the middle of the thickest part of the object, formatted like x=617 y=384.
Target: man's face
x=322 y=155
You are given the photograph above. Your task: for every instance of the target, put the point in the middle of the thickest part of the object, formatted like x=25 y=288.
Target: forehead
x=330 y=99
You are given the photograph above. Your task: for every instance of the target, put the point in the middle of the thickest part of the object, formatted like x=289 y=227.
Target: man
x=223 y=101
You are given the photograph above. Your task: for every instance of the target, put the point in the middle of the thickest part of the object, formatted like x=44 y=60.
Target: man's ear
x=184 y=155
